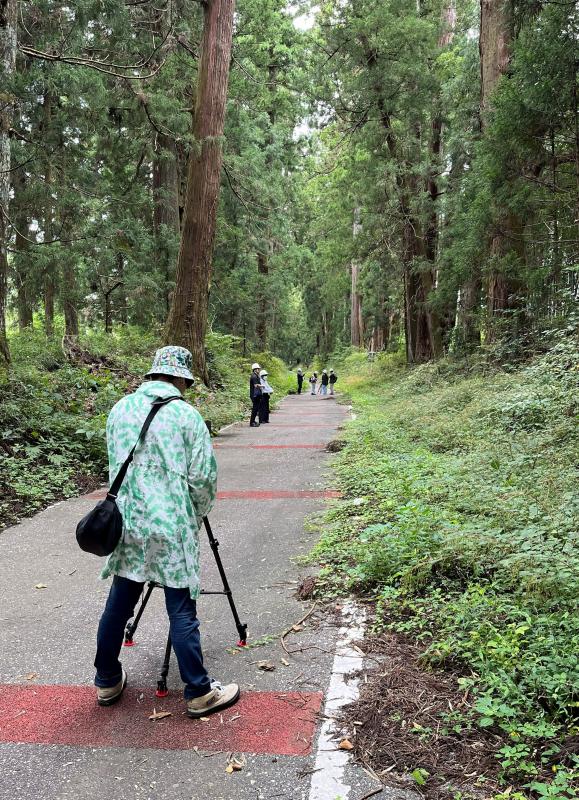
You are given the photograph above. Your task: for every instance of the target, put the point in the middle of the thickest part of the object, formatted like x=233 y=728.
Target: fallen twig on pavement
x=372 y=793
x=291 y=628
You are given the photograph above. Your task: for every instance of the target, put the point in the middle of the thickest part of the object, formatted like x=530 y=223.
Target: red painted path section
x=277 y=723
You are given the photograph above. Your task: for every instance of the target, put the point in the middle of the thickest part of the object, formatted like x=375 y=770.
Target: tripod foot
x=129 y=643
x=242 y=643
x=162 y=690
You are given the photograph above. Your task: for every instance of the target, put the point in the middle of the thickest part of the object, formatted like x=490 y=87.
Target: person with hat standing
x=300 y=380
x=313 y=380
x=324 y=383
x=255 y=392
x=333 y=380
x=169 y=487
x=266 y=392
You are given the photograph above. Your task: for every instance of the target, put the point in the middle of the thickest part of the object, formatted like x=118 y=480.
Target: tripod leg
x=214 y=544
x=162 y=690
x=132 y=626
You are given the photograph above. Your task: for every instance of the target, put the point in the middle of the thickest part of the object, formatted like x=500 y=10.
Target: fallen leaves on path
x=345 y=744
x=235 y=764
x=41 y=586
x=160 y=714
x=266 y=666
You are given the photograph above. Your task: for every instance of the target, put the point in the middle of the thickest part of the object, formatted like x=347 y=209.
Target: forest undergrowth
x=458 y=520
x=53 y=409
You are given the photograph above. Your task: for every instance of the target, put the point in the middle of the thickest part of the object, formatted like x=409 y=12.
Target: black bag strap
x=155 y=408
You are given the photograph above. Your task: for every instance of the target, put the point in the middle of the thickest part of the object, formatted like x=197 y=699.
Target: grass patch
x=460 y=516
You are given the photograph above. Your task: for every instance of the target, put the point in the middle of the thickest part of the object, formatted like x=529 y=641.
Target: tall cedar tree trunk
x=21 y=262
x=187 y=321
x=264 y=256
x=69 y=289
x=356 y=322
x=421 y=328
x=165 y=205
x=261 y=321
x=417 y=285
x=437 y=334
x=52 y=268
x=69 y=299
x=495 y=41
x=8 y=34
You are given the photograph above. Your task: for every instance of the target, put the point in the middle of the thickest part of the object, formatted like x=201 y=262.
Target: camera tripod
x=162 y=690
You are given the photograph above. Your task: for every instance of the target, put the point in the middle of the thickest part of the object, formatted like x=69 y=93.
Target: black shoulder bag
x=100 y=530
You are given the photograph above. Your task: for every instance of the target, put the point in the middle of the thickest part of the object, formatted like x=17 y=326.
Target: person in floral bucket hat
x=169 y=488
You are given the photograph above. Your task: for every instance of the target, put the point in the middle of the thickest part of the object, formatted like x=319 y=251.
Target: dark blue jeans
x=183 y=626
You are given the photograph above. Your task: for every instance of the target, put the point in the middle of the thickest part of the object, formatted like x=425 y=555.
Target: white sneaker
x=217 y=699
x=106 y=697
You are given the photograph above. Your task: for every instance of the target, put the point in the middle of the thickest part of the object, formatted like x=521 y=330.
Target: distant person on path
x=169 y=487
x=333 y=380
x=300 y=381
x=266 y=392
x=313 y=380
x=324 y=384
x=255 y=391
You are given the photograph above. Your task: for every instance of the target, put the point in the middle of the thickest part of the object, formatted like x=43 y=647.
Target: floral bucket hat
x=172 y=360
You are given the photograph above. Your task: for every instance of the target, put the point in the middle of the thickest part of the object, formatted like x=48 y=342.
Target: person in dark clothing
x=255 y=391
x=300 y=381
x=333 y=379
x=324 y=384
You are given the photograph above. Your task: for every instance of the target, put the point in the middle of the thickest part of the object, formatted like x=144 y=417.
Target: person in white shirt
x=266 y=392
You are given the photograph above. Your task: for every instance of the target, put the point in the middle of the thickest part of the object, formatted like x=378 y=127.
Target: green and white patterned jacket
x=168 y=489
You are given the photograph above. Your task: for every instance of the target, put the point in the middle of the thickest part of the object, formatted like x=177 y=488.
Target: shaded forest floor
x=53 y=409
x=458 y=524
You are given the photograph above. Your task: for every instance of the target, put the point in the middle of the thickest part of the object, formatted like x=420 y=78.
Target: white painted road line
x=328 y=777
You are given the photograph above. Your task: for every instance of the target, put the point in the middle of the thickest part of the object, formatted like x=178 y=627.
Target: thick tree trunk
x=356 y=321
x=264 y=256
x=8 y=39
x=52 y=268
x=49 y=288
x=69 y=297
x=448 y=22
x=187 y=321
x=468 y=327
x=506 y=249
x=421 y=324
x=166 y=207
x=21 y=262
x=261 y=322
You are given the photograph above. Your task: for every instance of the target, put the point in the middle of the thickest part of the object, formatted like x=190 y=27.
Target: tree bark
x=68 y=299
x=8 y=40
x=356 y=321
x=21 y=261
x=69 y=291
x=506 y=247
x=261 y=322
x=166 y=206
x=421 y=324
x=51 y=271
x=187 y=321
x=264 y=256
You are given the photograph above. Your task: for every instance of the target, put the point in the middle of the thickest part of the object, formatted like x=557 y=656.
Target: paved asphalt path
x=56 y=744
